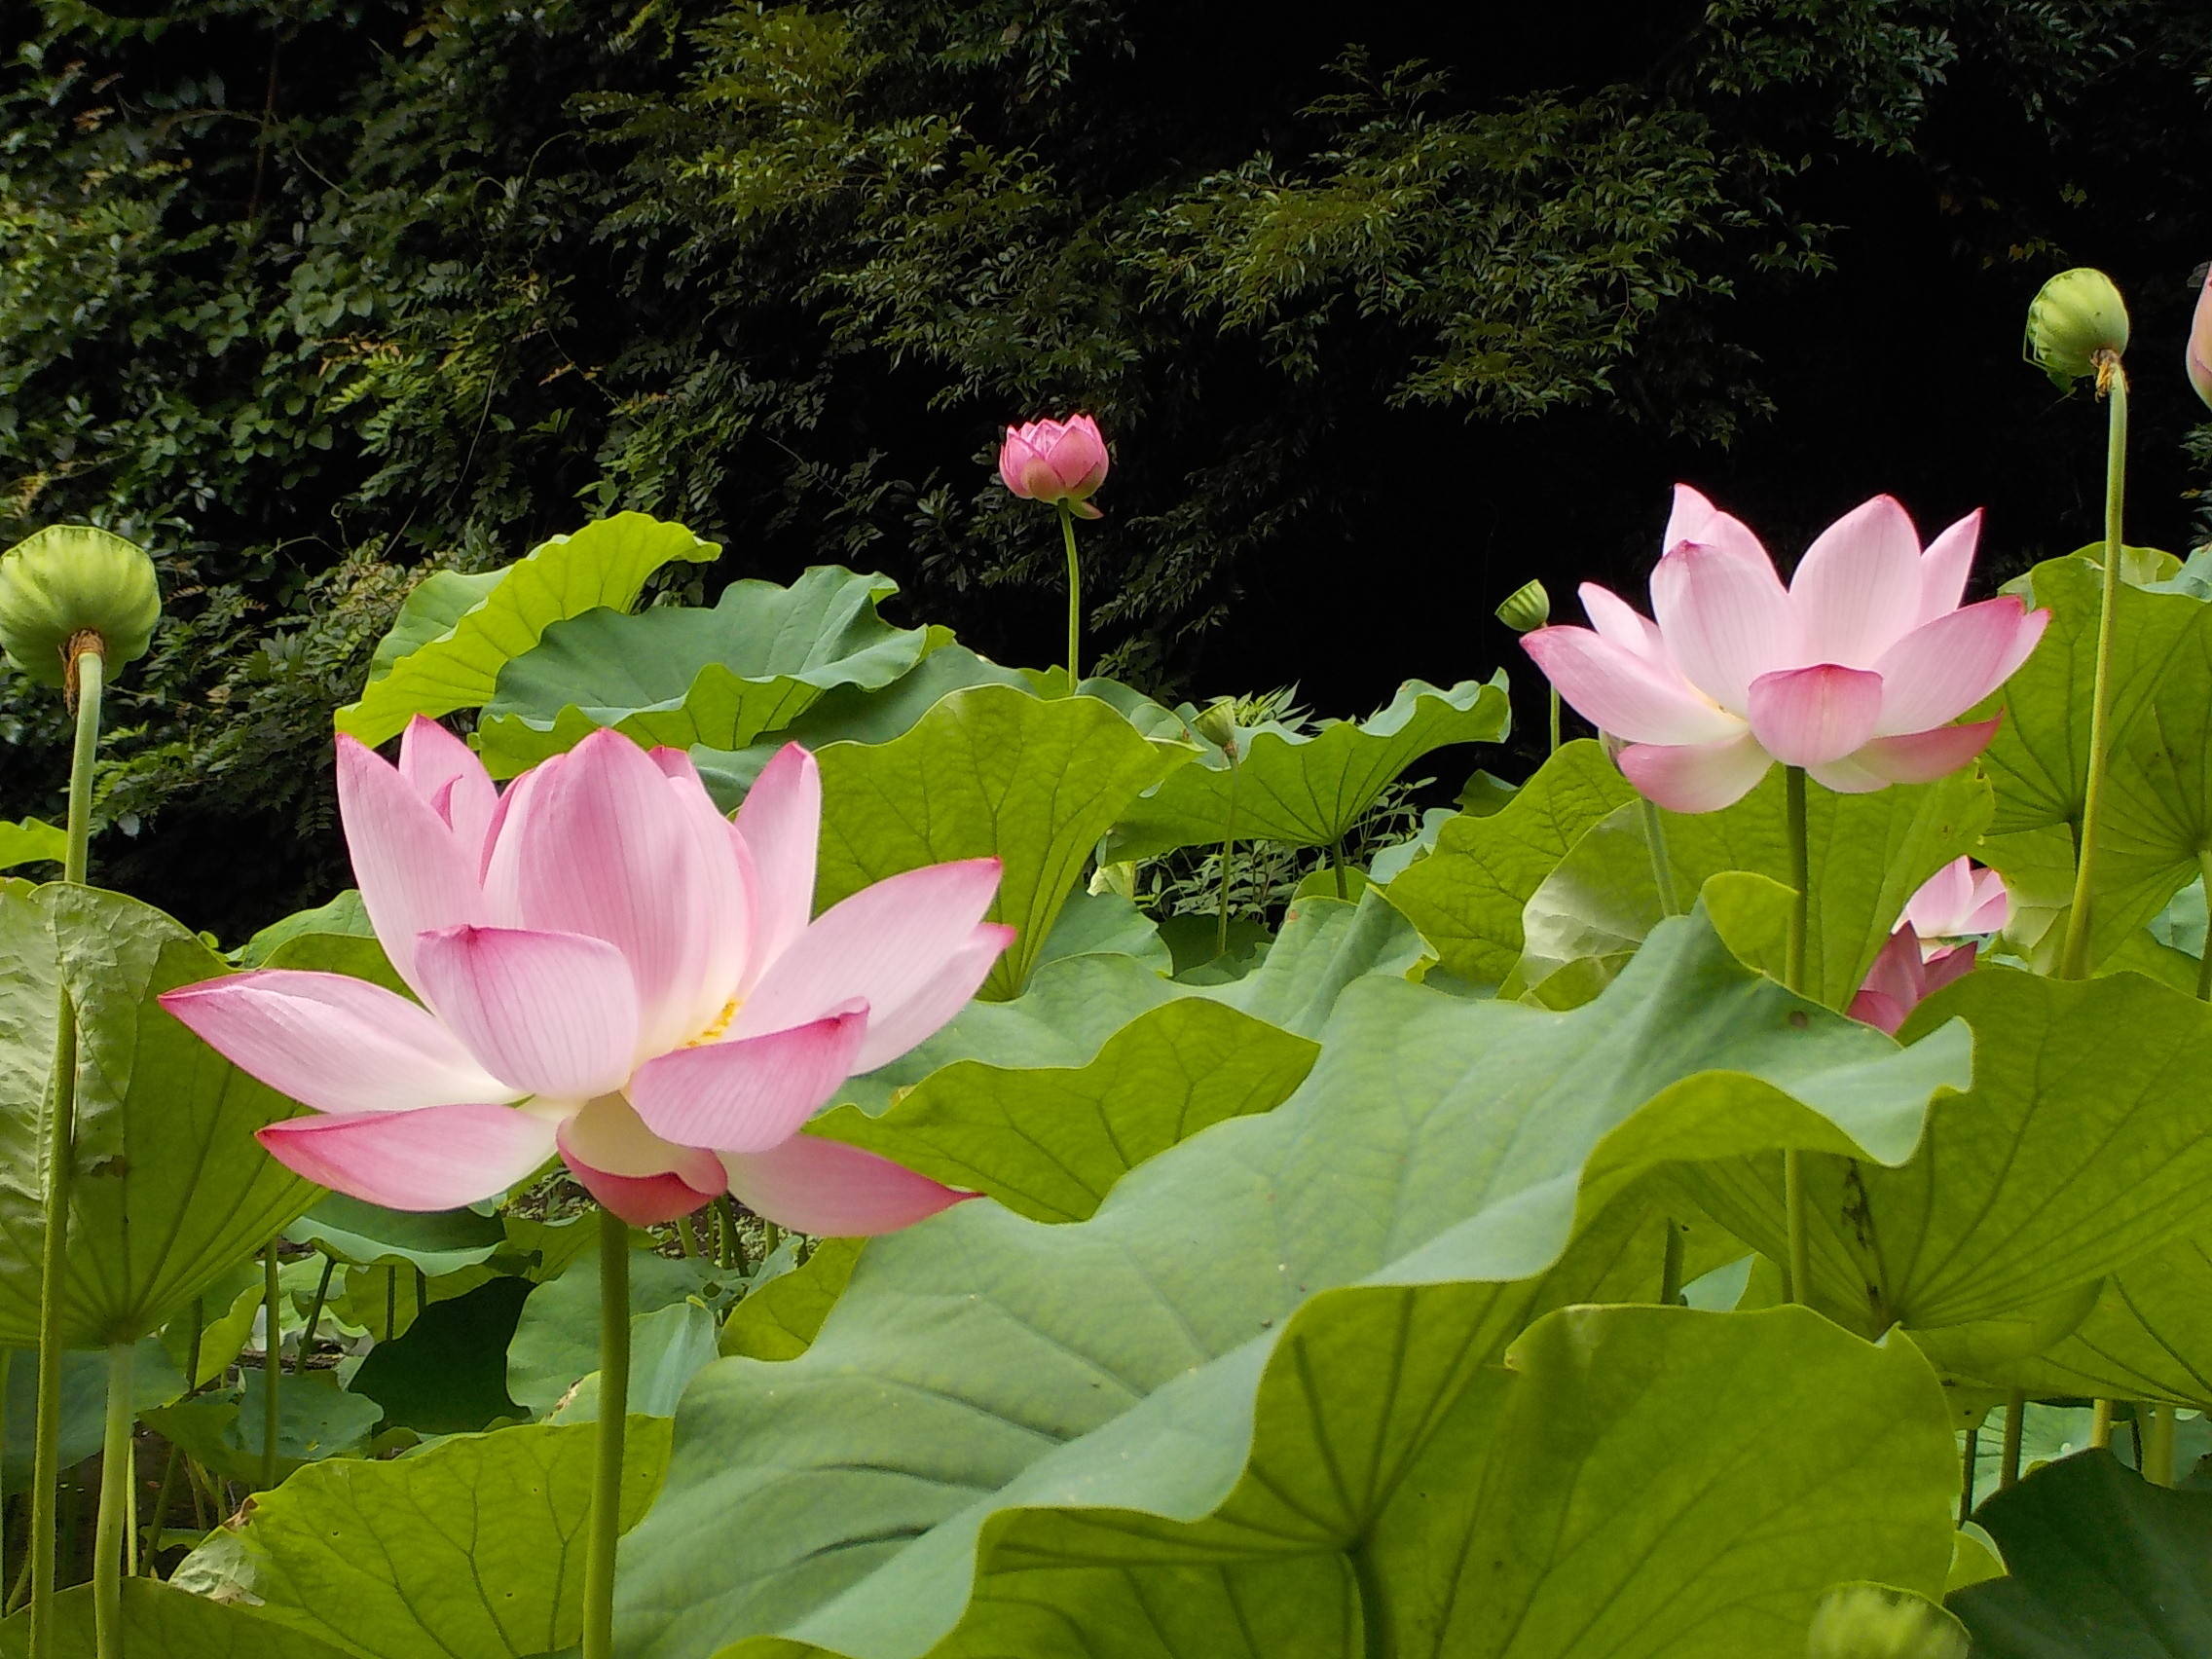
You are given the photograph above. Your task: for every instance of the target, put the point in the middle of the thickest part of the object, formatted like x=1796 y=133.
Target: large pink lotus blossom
x=611 y=970
x=1923 y=955
x=1855 y=671
x=1055 y=461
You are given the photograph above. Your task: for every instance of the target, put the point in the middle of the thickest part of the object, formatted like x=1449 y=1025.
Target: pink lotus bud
x=1056 y=461
x=2199 y=355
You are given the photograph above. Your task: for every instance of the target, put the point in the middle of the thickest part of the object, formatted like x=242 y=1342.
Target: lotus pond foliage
x=797 y=1144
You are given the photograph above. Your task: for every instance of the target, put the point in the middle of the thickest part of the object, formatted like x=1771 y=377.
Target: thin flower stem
x=1966 y=1483
x=1075 y=599
x=2158 y=1446
x=272 y=1363
x=1662 y=866
x=60 y=1168
x=110 y=1538
x=314 y=1312
x=688 y=1236
x=2073 y=953
x=167 y=1490
x=1797 y=1270
x=613 y=1410
x=1554 y=720
x=1671 y=1267
x=1342 y=889
x=2015 y=1431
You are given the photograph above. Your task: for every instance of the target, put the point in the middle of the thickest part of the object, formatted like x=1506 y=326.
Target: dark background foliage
x=1385 y=310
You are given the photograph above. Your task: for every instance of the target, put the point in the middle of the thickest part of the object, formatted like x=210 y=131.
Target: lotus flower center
x=717 y=1025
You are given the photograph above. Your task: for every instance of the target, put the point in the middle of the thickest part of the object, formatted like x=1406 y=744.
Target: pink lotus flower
x=1957 y=902
x=2197 y=358
x=1907 y=970
x=1053 y=461
x=610 y=970
x=1853 y=672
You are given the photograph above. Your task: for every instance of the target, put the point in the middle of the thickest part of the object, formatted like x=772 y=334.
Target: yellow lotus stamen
x=717 y=1025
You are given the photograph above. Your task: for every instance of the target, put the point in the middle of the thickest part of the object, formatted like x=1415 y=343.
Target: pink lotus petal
x=1694 y=519
x=414 y=872
x=1941 y=902
x=551 y=1014
x=605 y=845
x=781 y=823
x=1701 y=777
x=1857 y=591
x=2197 y=357
x=646 y=1200
x=447 y=773
x=887 y=945
x=1620 y=623
x=1806 y=717
x=750 y=1094
x=1943 y=668
x=1943 y=568
x=1882 y=1013
x=1847 y=777
x=923 y=1014
x=831 y=1190
x=1923 y=757
x=722 y=954
x=336 y=1043
x=436 y=1158
x=1621 y=692
x=1725 y=618
x=1947 y=967
x=607 y=1134
x=1991 y=906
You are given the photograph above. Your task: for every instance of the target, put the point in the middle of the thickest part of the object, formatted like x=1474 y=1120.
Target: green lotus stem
x=1554 y=720
x=1228 y=854
x=390 y=1302
x=1671 y=1267
x=161 y=1496
x=688 y=1236
x=771 y=1237
x=111 y=1536
x=314 y=1312
x=2100 y=1424
x=614 y=1409
x=90 y=666
x=192 y=1348
x=271 y=1364
x=1662 y=866
x=726 y=1231
x=2159 y=1446
x=1344 y=890
x=2073 y=953
x=2015 y=1431
x=1075 y=598
x=1966 y=1484
x=1797 y=1269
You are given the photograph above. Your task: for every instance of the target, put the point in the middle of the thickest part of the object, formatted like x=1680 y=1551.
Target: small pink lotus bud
x=1056 y=461
x=2200 y=354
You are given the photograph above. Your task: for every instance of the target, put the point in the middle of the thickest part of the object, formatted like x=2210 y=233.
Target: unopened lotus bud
x=71 y=588
x=2076 y=324
x=2197 y=358
x=1218 y=724
x=1864 y=1621
x=1527 y=608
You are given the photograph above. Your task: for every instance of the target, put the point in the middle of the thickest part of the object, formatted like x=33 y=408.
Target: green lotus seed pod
x=2075 y=321
x=70 y=579
x=1866 y=1621
x=1527 y=608
x=1218 y=724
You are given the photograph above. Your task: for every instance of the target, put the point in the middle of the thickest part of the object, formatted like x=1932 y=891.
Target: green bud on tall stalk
x=2076 y=323
x=67 y=586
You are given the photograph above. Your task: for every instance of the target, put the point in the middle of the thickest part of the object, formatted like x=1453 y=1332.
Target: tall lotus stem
x=272 y=1363
x=2015 y=1435
x=2157 y=1445
x=87 y=667
x=1075 y=598
x=1796 y=1275
x=1228 y=855
x=613 y=1408
x=2112 y=384
x=315 y=1313
x=111 y=1536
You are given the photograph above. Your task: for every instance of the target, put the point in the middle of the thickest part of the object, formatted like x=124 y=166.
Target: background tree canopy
x=315 y=296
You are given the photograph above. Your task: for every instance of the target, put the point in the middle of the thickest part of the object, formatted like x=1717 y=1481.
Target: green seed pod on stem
x=1527 y=608
x=2076 y=326
x=71 y=586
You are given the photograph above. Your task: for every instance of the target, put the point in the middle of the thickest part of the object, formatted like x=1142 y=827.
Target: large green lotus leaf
x=362 y=1235
x=2158 y=814
x=162 y=1622
x=1308 y=789
x=988 y=772
x=474 y=1546
x=2100 y=1564
x=681 y=676
x=2079 y=1149
x=779 y=1319
x=1049 y=1142
x=2148 y=1338
x=982 y=1362
x=444 y=654
x=33 y=840
x=1467 y=896
x=1869 y=854
x=1106 y=924
x=345 y=916
x=316 y=1419
x=172 y=1188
